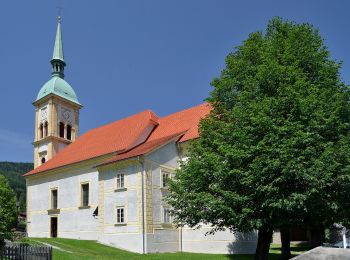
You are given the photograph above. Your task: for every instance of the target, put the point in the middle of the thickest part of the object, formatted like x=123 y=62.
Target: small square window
x=85 y=195
x=120 y=215
x=120 y=181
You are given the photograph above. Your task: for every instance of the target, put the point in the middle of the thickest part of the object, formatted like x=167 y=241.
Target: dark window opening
x=54 y=204
x=69 y=132
x=85 y=194
x=43 y=160
x=46 y=129
x=41 y=131
x=61 y=130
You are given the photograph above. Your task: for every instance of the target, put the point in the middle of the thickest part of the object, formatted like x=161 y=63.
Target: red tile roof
x=129 y=137
x=185 y=121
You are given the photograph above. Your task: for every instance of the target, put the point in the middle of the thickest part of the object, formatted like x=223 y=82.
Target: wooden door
x=53 y=226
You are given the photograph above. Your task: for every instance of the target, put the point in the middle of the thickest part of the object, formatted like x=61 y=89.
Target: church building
x=108 y=184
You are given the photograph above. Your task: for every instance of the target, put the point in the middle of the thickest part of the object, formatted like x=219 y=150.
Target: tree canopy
x=275 y=149
x=8 y=210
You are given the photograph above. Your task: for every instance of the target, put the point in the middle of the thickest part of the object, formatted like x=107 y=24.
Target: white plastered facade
x=142 y=200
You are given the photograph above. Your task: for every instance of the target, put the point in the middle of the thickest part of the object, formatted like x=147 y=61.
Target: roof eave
x=48 y=96
x=66 y=165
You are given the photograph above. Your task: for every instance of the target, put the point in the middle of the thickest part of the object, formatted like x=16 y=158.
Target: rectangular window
x=166 y=216
x=120 y=181
x=120 y=215
x=165 y=178
x=54 y=195
x=85 y=194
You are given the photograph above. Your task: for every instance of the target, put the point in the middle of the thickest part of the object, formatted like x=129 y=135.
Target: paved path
x=55 y=247
x=325 y=253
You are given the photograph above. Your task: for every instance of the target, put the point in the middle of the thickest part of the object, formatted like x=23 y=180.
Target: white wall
x=72 y=221
x=222 y=242
x=80 y=224
x=128 y=236
x=163 y=238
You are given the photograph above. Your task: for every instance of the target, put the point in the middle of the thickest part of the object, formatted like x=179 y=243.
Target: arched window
x=46 y=129
x=69 y=132
x=61 y=129
x=41 y=131
x=43 y=160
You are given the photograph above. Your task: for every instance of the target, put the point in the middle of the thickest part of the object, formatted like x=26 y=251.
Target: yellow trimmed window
x=85 y=194
x=120 y=215
x=120 y=181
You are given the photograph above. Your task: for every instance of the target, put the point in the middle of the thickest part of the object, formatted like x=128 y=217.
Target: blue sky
x=127 y=56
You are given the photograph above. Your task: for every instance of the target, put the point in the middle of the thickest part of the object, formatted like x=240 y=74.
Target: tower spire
x=57 y=61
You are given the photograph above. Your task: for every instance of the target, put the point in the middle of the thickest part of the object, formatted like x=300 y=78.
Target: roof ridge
x=184 y=110
x=122 y=119
x=155 y=140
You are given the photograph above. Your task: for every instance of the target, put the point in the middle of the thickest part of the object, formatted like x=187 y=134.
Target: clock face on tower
x=66 y=115
x=44 y=114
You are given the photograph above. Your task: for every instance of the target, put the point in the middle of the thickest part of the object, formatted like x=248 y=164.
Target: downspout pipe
x=144 y=251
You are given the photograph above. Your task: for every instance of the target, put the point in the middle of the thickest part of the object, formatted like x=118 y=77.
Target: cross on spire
x=59 y=11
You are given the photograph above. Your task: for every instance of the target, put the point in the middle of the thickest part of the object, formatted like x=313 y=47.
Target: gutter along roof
x=133 y=136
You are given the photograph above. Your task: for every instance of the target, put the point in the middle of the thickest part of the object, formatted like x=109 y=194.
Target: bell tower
x=56 y=110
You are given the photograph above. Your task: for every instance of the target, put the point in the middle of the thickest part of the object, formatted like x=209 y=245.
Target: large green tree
x=8 y=210
x=275 y=150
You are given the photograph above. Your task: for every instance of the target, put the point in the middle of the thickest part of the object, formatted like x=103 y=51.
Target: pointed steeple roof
x=57 y=61
x=57 y=85
x=58 y=49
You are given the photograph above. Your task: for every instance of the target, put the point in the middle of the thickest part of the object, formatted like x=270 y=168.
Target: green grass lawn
x=86 y=250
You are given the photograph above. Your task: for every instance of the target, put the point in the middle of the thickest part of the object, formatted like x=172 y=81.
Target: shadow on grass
x=240 y=257
x=90 y=250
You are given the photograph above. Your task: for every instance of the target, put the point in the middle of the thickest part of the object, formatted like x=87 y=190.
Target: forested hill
x=13 y=172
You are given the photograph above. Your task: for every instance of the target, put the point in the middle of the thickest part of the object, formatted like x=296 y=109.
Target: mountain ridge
x=13 y=172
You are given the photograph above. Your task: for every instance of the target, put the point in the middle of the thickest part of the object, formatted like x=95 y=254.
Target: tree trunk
x=263 y=247
x=285 y=240
x=316 y=236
